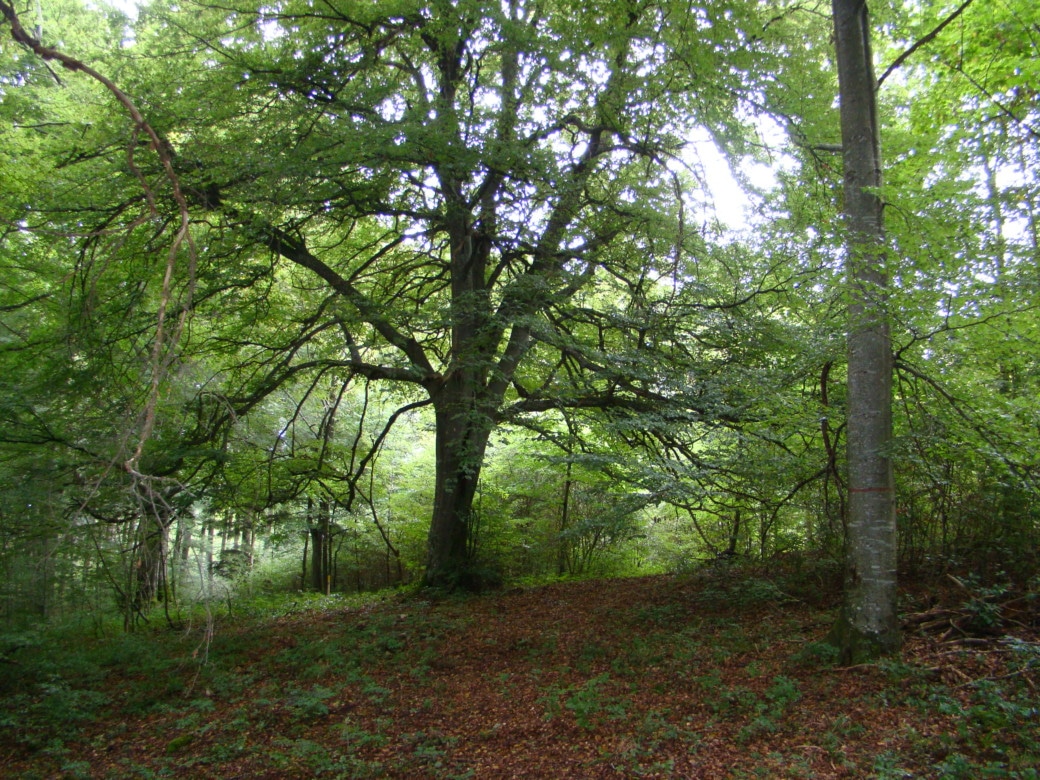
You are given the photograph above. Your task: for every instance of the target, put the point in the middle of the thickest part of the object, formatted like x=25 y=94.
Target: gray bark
x=867 y=626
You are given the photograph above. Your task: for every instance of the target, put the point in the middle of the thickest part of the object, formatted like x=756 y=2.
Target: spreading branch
x=182 y=238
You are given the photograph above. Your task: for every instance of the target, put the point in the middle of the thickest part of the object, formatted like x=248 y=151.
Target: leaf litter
x=719 y=674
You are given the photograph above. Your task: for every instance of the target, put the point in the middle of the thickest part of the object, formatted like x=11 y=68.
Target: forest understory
x=718 y=674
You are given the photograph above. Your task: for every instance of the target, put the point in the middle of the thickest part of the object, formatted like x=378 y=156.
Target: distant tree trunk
x=336 y=537
x=564 y=546
x=41 y=579
x=867 y=626
x=321 y=547
x=225 y=533
x=211 y=533
x=318 y=559
x=391 y=553
x=247 y=530
x=179 y=553
x=835 y=513
x=734 y=536
x=152 y=547
x=306 y=546
x=184 y=538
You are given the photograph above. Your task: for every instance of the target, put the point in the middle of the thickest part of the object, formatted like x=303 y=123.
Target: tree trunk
x=563 y=550
x=867 y=626
x=462 y=433
x=247 y=545
x=318 y=572
x=306 y=550
x=150 y=562
x=211 y=533
x=464 y=402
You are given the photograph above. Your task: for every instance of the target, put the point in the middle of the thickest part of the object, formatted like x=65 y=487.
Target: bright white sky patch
x=128 y=7
x=733 y=203
x=727 y=201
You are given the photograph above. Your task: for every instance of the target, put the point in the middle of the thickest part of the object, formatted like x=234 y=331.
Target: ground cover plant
x=717 y=674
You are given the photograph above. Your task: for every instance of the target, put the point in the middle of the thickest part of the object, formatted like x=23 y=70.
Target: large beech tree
x=476 y=201
x=509 y=161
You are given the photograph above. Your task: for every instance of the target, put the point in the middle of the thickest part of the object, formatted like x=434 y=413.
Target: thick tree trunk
x=867 y=626
x=462 y=433
x=464 y=402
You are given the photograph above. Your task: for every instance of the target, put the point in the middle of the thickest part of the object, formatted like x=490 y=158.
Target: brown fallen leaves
x=719 y=675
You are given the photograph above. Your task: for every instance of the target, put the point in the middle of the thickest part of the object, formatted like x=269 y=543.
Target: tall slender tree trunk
x=867 y=626
x=563 y=545
x=306 y=548
x=211 y=534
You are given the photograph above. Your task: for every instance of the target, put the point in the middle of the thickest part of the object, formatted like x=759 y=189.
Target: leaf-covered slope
x=709 y=677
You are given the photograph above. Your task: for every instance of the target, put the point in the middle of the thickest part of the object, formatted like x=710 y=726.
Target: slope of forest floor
x=720 y=674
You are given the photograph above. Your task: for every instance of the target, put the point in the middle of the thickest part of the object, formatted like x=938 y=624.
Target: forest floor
x=720 y=674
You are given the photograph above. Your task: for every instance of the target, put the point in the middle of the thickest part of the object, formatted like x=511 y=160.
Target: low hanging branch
x=183 y=237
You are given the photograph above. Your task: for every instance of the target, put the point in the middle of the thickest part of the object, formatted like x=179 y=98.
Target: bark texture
x=463 y=427
x=867 y=626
